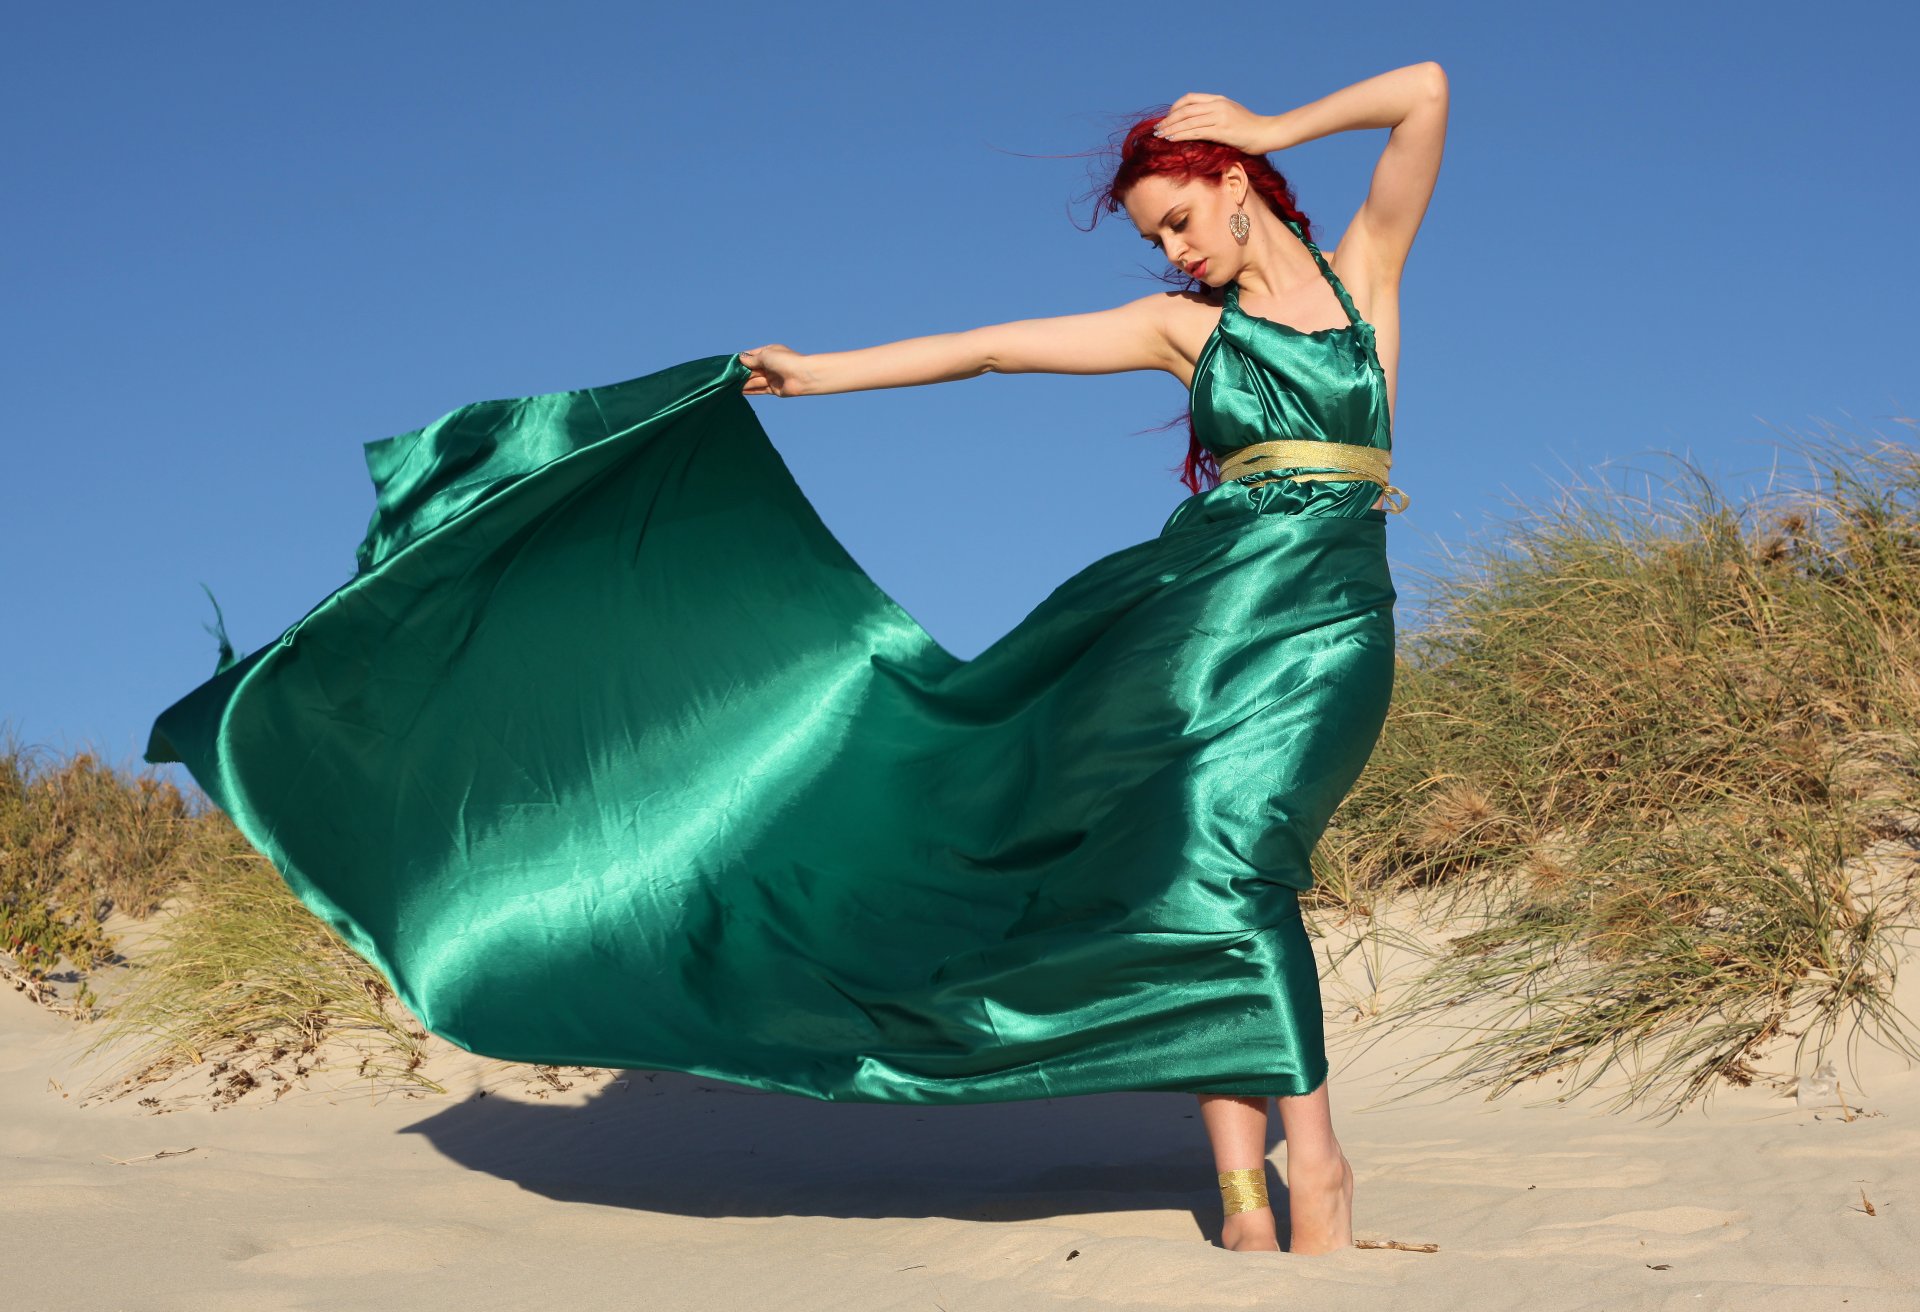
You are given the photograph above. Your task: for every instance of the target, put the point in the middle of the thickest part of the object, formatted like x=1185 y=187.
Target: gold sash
x=1345 y=459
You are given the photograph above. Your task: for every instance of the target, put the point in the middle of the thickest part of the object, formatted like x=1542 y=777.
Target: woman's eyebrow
x=1163 y=220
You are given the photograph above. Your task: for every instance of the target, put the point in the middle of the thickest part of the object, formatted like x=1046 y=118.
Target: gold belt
x=1341 y=460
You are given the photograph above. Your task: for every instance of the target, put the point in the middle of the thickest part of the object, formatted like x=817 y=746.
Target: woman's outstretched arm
x=1130 y=336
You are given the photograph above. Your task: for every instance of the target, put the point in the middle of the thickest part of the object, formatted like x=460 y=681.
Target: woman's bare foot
x=1320 y=1203
x=1251 y=1230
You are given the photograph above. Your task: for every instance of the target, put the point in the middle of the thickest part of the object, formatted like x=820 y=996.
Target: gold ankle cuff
x=1243 y=1190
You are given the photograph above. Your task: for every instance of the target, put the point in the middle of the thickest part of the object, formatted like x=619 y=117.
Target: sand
x=639 y=1189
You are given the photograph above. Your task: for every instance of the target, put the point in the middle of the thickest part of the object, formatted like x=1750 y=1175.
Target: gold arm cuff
x=1243 y=1190
x=1325 y=461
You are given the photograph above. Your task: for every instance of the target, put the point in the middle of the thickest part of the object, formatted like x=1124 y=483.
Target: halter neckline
x=1260 y=345
x=1354 y=320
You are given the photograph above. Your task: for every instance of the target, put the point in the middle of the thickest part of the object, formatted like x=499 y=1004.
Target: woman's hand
x=777 y=371
x=1202 y=117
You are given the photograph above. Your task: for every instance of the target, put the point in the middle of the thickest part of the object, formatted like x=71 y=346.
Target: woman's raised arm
x=1130 y=336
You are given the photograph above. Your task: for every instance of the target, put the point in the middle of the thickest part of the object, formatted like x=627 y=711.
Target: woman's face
x=1187 y=221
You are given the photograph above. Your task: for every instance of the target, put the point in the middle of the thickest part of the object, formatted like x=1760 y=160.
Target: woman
x=610 y=755
x=1187 y=203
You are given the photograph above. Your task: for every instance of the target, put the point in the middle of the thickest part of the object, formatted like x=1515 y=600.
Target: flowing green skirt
x=609 y=754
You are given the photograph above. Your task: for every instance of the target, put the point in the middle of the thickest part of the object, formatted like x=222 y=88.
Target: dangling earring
x=1239 y=225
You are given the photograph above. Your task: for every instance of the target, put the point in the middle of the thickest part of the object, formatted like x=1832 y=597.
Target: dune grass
x=79 y=840
x=1657 y=754
x=240 y=976
x=250 y=983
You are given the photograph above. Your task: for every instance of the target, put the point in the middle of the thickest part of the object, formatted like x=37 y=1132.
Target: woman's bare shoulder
x=1187 y=319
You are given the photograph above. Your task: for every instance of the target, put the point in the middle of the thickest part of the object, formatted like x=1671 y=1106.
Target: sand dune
x=662 y=1190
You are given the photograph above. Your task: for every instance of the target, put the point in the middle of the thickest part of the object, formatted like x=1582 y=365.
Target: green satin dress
x=609 y=754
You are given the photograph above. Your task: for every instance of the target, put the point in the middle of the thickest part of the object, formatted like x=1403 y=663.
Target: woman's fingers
x=768 y=376
x=756 y=381
x=1190 y=114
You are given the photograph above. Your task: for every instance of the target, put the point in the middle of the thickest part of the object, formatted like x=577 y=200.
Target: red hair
x=1143 y=155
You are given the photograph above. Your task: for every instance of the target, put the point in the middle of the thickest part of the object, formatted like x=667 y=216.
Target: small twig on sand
x=164 y=1152
x=1396 y=1244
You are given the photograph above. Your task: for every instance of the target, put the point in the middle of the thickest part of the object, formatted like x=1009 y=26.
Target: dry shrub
x=79 y=840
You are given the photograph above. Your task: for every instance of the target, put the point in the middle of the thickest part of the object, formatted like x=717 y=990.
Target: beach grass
x=78 y=841
x=238 y=976
x=248 y=982
x=1655 y=759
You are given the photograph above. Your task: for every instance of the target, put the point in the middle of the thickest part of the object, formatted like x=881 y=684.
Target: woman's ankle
x=1323 y=1160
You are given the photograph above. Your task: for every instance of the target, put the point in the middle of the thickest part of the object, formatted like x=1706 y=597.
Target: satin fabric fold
x=610 y=754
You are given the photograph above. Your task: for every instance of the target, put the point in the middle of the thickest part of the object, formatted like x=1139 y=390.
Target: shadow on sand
x=688 y=1145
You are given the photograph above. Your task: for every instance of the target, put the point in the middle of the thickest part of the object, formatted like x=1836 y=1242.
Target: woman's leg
x=1237 y=1125
x=1319 y=1179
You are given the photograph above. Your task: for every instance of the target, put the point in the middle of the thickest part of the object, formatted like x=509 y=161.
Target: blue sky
x=244 y=240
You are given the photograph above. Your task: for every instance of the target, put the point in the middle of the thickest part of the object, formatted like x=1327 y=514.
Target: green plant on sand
x=249 y=980
x=240 y=974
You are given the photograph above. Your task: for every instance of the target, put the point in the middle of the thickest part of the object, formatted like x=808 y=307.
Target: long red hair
x=1143 y=155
